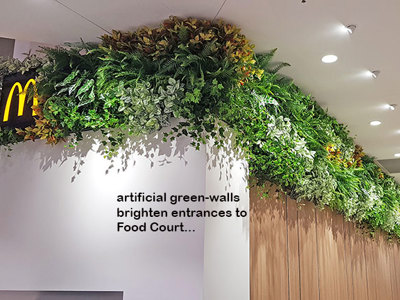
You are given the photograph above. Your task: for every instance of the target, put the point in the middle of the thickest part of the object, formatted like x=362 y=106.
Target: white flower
x=264 y=100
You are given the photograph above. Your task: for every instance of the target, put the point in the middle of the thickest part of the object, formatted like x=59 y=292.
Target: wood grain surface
x=299 y=252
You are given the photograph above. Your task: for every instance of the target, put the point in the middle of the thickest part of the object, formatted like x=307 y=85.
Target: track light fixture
x=375 y=73
x=351 y=28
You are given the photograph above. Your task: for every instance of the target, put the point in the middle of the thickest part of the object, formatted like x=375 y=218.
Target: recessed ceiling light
x=375 y=123
x=375 y=73
x=397 y=155
x=391 y=106
x=328 y=59
x=351 y=28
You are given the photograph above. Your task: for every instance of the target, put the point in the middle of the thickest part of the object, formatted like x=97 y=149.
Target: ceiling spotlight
x=351 y=28
x=375 y=123
x=375 y=73
x=391 y=106
x=397 y=155
x=328 y=59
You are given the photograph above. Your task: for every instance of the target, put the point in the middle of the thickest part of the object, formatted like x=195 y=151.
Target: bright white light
x=343 y=29
x=328 y=59
x=397 y=155
x=391 y=107
x=375 y=123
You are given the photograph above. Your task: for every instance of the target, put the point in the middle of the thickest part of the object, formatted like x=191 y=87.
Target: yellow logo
x=22 y=93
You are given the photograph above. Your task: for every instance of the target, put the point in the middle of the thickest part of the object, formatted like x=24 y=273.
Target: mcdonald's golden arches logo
x=15 y=107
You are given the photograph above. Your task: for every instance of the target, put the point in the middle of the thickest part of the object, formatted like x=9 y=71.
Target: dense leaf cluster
x=207 y=75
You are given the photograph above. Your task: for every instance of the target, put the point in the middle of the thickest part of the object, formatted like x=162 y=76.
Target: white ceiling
x=303 y=33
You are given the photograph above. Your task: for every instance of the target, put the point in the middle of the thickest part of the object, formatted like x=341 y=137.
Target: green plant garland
x=207 y=74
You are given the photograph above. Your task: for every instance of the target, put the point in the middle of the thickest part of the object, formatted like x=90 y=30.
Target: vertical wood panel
x=258 y=244
x=269 y=234
x=392 y=265
x=358 y=263
x=383 y=278
x=396 y=263
x=348 y=261
x=308 y=252
x=371 y=267
x=331 y=256
x=293 y=250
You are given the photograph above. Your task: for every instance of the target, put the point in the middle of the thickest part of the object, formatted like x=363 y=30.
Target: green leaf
x=85 y=87
x=74 y=87
x=86 y=100
x=68 y=79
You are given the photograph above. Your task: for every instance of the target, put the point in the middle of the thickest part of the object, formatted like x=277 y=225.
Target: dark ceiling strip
x=82 y=16
x=7 y=47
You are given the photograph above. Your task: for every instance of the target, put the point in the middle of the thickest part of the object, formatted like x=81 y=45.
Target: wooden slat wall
x=299 y=252
x=293 y=250
x=309 y=277
x=270 y=233
x=396 y=271
x=356 y=257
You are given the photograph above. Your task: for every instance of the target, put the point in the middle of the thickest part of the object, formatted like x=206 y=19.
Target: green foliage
x=199 y=37
x=206 y=74
x=317 y=185
x=9 y=137
x=12 y=65
x=67 y=81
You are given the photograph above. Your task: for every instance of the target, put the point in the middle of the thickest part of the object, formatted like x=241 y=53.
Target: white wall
x=58 y=223
x=21 y=48
x=226 y=240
